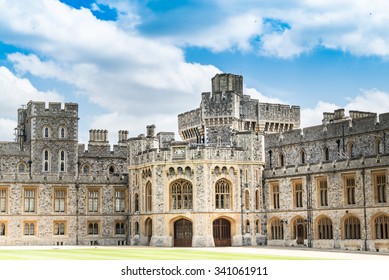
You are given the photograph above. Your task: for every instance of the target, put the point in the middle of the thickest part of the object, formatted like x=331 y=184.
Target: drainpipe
x=309 y=211
x=364 y=208
x=241 y=205
x=77 y=211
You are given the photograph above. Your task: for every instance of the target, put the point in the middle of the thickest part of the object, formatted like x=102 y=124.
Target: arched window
x=326 y=153
x=136 y=228
x=302 y=157
x=181 y=195
x=276 y=229
x=350 y=150
x=281 y=159
x=86 y=169
x=324 y=228
x=62 y=131
x=148 y=193
x=257 y=226
x=2 y=229
x=111 y=169
x=136 y=202
x=120 y=228
x=352 y=228
x=93 y=228
x=46 y=160
x=300 y=229
x=381 y=227
x=22 y=167
x=247 y=226
x=59 y=229
x=29 y=228
x=222 y=194
x=246 y=200
x=62 y=161
x=257 y=199
x=377 y=146
x=46 y=132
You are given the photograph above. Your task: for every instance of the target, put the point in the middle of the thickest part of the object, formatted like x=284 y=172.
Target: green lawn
x=132 y=253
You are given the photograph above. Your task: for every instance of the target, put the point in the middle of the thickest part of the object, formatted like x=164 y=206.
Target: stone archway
x=222 y=232
x=183 y=233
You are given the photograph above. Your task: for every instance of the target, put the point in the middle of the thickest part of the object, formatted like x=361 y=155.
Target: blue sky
x=130 y=63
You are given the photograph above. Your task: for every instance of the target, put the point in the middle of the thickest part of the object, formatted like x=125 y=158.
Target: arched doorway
x=149 y=230
x=222 y=232
x=183 y=233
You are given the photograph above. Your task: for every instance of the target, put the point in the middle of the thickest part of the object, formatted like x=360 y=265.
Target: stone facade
x=244 y=174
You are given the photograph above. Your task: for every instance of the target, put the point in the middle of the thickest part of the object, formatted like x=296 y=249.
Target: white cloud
x=262 y=98
x=368 y=101
x=15 y=92
x=121 y=71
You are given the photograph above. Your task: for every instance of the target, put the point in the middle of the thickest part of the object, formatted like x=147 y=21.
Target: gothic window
x=381 y=227
x=246 y=200
x=222 y=194
x=111 y=169
x=93 y=200
x=46 y=132
x=3 y=228
x=377 y=146
x=281 y=159
x=62 y=132
x=350 y=150
x=297 y=194
x=59 y=200
x=352 y=228
x=326 y=153
x=181 y=195
x=62 y=161
x=149 y=201
x=349 y=189
x=93 y=228
x=323 y=191
x=136 y=228
x=379 y=186
x=247 y=226
x=136 y=203
x=275 y=195
x=257 y=226
x=29 y=228
x=257 y=199
x=300 y=229
x=3 y=200
x=59 y=228
x=30 y=200
x=302 y=157
x=86 y=169
x=324 y=228
x=120 y=200
x=120 y=228
x=276 y=229
x=46 y=161
x=22 y=167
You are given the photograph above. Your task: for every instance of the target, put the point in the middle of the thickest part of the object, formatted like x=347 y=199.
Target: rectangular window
x=349 y=189
x=59 y=200
x=30 y=200
x=3 y=200
x=3 y=228
x=120 y=227
x=297 y=194
x=29 y=228
x=120 y=200
x=275 y=195
x=93 y=200
x=93 y=228
x=59 y=228
x=379 y=184
x=323 y=191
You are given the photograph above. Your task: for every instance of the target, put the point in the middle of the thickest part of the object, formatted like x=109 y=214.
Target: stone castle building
x=244 y=173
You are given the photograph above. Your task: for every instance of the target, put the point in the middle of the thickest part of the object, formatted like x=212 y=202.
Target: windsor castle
x=243 y=173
